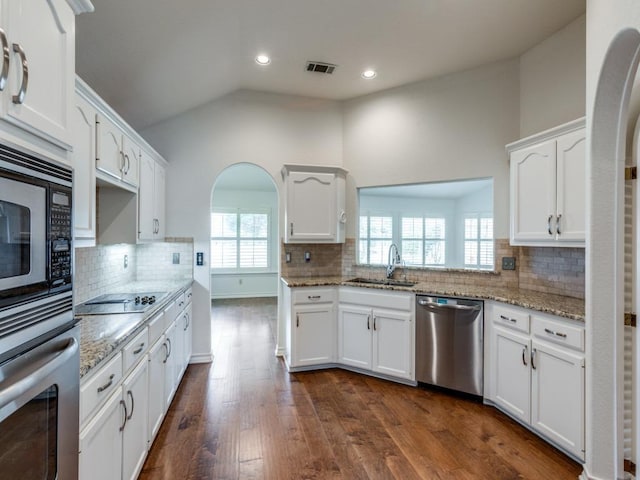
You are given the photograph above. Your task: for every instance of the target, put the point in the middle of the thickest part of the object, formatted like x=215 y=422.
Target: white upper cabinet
x=314 y=204
x=548 y=187
x=39 y=38
x=117 y=156
x=151 y=202
x=83 y=125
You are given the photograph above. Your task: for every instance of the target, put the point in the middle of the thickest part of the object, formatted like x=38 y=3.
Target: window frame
x=238 y=211
x=478 y=241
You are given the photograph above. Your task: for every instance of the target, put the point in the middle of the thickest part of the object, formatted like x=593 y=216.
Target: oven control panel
x=60 y=236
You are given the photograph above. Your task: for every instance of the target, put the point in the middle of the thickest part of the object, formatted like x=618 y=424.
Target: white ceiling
x=153 y=59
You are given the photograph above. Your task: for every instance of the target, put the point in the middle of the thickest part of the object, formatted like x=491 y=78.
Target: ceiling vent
x=321 y=67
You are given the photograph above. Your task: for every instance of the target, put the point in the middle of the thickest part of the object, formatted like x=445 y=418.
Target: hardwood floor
x=245 y=417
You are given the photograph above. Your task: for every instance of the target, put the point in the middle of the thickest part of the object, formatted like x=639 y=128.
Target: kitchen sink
x=373 y=281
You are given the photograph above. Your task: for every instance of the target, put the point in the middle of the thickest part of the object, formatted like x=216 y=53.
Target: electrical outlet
x=287 y=257
x=126 y=261
x=176 y=259
x=508 y=263
x=307 y=256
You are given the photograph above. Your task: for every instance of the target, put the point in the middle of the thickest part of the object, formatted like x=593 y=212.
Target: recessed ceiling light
x=263 y=60
x=369 y=74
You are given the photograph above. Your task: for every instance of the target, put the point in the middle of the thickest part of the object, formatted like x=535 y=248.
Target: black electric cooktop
x=120 y=303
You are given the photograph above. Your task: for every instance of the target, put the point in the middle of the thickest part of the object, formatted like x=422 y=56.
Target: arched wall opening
x=607 y=127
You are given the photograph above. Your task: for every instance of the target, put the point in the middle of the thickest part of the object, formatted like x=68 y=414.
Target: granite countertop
x=567 y=307
x=102 y=335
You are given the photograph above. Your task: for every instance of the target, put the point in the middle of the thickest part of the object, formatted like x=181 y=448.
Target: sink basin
x=373 y=281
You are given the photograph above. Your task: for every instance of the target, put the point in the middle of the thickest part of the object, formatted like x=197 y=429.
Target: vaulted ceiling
x=153 y=59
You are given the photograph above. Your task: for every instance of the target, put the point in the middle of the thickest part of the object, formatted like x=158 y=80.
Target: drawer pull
x=139 y=349
x=557 y=334
x=108 y=384
x=512 y=320
x=314 y=297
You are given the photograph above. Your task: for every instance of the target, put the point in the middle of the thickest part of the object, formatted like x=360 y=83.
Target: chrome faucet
x=393 y=259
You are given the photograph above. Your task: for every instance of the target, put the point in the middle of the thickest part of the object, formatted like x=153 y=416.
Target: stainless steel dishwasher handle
x=468 y=308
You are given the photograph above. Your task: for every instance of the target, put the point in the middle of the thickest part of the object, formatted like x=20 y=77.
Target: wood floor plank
x=245 y=417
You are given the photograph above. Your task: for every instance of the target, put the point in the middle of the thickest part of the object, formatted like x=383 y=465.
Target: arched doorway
x=607 y=127
x=244 y=243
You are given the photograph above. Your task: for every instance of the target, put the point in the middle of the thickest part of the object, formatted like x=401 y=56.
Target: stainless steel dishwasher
x=449 y=343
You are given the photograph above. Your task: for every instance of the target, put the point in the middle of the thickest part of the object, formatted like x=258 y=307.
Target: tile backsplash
x=542 y=269
x=100 y=269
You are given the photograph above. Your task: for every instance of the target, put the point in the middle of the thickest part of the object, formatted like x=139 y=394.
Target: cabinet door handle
x=297 y=321
x=124 y=405
x=170 y=348
x=524 y=355
x=19 y=98
x=130 y=394
x=512 y=320
x=5 y=60
x=374 y=323
x=533 y=358
x=166 y=349
x=122 y=162
x=127 y=164
x=368 y=320
x=549 y=224
x=291 y=229
x=106 y=385
x=186 y=322
x=558 y=224
x=139 y=349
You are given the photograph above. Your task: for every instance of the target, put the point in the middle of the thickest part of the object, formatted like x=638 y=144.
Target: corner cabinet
x=535 y=373
x=547 y=187
x=314 y=204
x=310 y=326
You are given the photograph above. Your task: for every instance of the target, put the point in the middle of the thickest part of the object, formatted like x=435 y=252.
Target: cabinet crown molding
x=81 y=6
x=289 y=167
x=546 y=135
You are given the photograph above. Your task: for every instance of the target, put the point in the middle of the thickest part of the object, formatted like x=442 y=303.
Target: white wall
x=253 y=127
x=452 y=127
x=552 y=80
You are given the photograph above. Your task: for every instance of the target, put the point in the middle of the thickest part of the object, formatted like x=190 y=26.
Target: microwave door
x=23 y=234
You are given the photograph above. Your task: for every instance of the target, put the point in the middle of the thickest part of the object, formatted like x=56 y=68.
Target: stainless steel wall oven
x=39 y=342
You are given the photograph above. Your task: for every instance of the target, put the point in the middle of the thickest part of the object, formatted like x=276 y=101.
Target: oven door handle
x=27 y=379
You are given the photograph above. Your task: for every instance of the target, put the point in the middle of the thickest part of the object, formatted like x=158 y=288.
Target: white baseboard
x=202 y=358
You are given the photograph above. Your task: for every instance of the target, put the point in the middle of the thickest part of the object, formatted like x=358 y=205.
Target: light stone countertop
x=101 y=336
x=567 y=307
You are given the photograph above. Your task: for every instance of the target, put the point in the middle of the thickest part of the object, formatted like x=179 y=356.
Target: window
x=423 y=241
x=478 y=242
x=240 y=239
x=376 y=234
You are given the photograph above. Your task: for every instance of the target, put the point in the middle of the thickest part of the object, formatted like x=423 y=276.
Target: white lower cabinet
x=114 y=444
x=115 y=440
x=374 y=338
x=535 y=373
x=101 y=442
x=134 y=435
x=310 y=326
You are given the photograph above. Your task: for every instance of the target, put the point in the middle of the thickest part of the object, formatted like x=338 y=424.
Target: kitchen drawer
x=315 y=295
x=188 y=295
x=157 y=326
x=511 y=317
x=171 y=312
x=557 y=331
x=135 y=350
x=377 y=298
x=99 y=386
